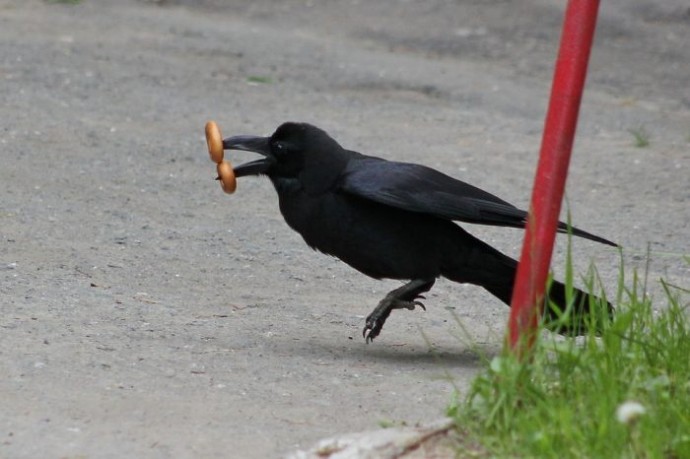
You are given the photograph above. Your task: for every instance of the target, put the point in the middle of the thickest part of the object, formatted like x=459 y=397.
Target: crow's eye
x=279 y=147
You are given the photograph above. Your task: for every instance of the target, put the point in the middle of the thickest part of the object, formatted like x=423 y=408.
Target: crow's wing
x=418 y=188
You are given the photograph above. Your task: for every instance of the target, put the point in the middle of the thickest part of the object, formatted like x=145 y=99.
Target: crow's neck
x=319 y=175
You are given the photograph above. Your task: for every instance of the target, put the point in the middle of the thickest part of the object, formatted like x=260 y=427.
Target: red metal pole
x=552 y=170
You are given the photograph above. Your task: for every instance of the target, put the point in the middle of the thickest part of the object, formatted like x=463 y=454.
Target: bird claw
x=371 y=330
x=375 y=320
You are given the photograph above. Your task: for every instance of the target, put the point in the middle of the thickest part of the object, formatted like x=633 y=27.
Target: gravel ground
x=147 y=314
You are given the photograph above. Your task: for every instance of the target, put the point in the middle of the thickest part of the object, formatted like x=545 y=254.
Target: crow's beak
x=260 y=145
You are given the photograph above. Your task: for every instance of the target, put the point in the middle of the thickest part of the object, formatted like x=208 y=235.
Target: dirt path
x=146 y=314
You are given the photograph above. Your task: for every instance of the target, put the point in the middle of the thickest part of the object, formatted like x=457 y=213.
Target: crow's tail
x=563 y=228
x=489 y=268
x=572 y=318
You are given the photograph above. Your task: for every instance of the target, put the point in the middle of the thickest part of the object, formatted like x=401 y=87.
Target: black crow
x=395 y=220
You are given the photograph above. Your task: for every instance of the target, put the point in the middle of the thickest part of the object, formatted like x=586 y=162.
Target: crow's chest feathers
x=319 y=219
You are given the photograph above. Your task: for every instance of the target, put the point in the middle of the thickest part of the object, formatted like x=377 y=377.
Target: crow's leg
x=404 y=297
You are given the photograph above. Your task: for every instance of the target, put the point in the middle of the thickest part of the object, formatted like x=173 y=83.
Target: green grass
x=259 y=79
x=563 y=402
x=641 y=137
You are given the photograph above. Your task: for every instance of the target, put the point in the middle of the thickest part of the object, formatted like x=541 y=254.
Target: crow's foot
x=405 y=297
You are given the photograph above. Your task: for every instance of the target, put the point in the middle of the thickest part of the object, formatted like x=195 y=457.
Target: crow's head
x=297 y=154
